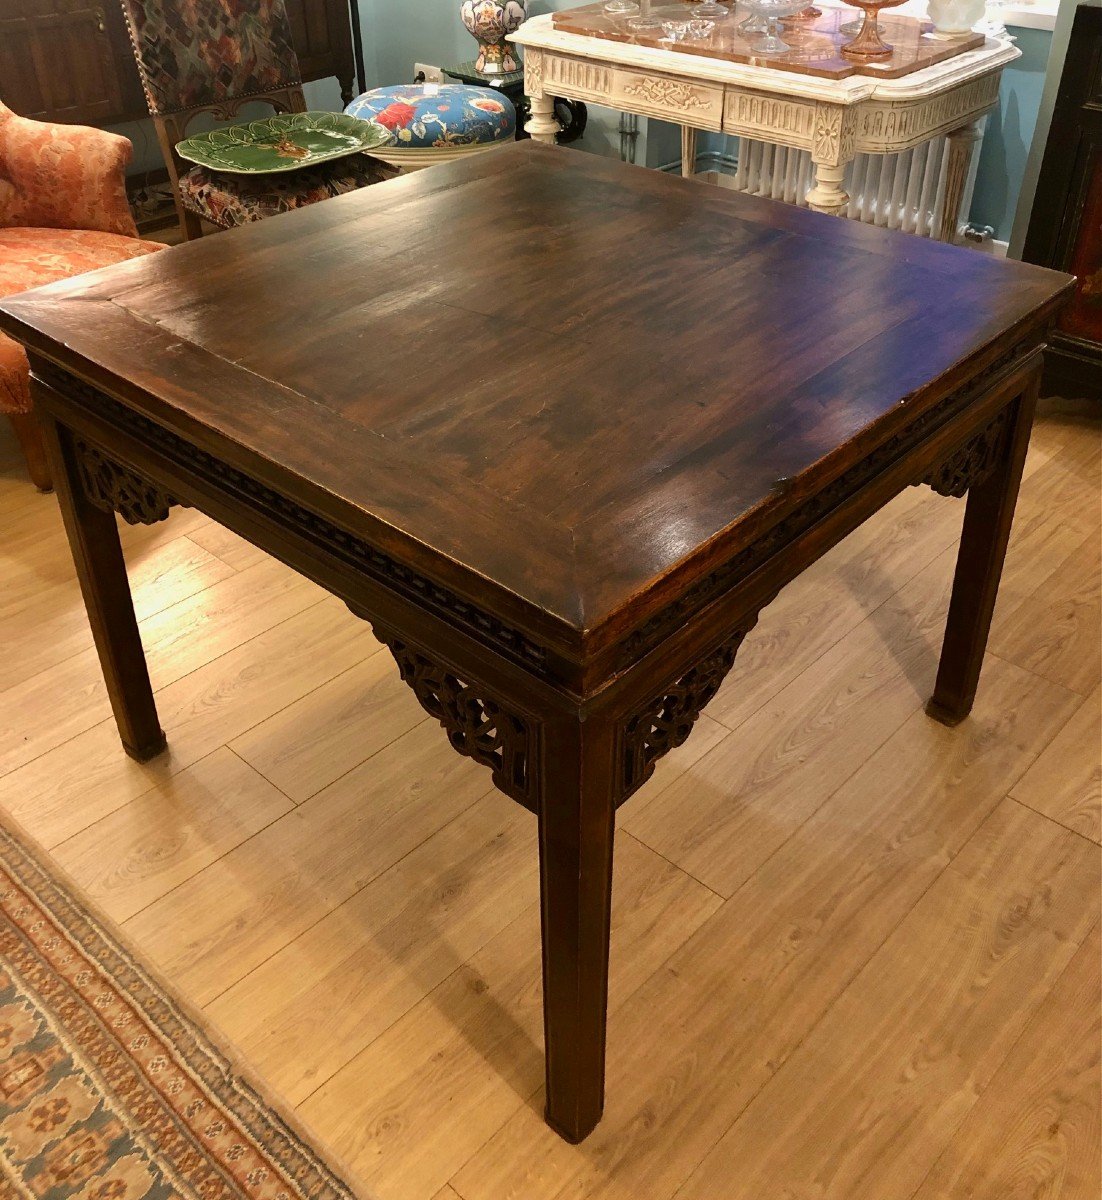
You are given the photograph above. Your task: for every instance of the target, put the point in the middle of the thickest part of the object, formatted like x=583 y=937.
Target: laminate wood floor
x=855 y=954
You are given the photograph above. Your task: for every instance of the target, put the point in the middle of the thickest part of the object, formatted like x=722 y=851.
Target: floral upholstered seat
x=63 y=211
x=431 y=122
x=213 y=56
x=227 y=200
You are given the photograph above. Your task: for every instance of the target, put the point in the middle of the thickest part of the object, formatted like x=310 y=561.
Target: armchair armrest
x=63 y=176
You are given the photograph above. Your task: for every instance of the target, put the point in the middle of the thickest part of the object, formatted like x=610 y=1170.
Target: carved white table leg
x=828 y=195
x=962 y=145
x=833 y=146
x=688 y=151
x=542 y=124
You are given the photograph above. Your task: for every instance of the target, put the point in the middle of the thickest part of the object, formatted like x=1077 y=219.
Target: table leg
x=542 y=124
x=101 y=571
x=575 y=838
x=828 y=195
x=688 y=151
x=962 y=145
x=984 y=538
x=833 y=147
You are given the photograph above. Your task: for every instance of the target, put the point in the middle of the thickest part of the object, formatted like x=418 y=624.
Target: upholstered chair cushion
x=192 y=53
x=32 y=257
x=63 y=176
x=434 y=115
x=229 y=200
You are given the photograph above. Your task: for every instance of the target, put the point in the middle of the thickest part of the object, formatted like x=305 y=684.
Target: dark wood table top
x=564 y=385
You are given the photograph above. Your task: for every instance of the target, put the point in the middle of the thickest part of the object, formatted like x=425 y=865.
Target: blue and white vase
x=490 y=22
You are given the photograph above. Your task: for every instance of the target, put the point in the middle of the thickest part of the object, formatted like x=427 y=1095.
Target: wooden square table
x=558 y=428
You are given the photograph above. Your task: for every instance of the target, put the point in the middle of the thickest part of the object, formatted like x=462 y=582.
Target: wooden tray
x=816 y=44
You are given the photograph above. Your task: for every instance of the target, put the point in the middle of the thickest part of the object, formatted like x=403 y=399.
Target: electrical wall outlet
x=424 y=73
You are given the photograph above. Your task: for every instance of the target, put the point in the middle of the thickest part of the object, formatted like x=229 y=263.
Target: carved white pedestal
x=833 y=119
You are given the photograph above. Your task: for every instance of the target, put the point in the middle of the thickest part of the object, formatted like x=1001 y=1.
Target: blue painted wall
x=1009 y=133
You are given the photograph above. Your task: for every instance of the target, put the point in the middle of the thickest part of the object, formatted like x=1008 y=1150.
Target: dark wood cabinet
x=1065 y=227
x=70 y=60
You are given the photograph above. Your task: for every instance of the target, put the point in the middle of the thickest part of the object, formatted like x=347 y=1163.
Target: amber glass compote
x=868 y=45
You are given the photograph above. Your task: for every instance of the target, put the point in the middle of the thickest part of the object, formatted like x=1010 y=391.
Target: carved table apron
x=570 y=727
x=833 y=119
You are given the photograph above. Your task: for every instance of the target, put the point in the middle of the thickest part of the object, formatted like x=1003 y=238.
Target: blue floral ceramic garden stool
x=433 y=122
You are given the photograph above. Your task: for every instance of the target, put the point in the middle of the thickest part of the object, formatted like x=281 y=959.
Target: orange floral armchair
x=63 y=211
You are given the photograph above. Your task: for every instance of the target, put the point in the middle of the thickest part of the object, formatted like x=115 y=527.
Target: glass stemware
x=771 y=12
x=868 y=46
x=621 y=8
x=852 y=28
x=710 y=10
x=646 y=20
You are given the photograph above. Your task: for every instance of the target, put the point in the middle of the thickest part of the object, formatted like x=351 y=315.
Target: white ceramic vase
x=954 y=18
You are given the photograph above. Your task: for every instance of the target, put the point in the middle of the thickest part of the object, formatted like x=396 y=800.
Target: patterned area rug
x=108 y=1089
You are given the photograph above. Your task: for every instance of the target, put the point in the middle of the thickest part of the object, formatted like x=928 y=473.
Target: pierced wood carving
x=477 y=726
x=373 y=562
x=973 y=462
x=667 y=720
x=115 y=488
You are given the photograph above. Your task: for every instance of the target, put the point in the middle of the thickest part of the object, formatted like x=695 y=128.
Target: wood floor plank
x=223 y=543
x=447 y=1193
x=870 y=1100
x=64 y=700
x=1034 y=1133
x=35 y=557
x=139 y=852
x=834 y=596
x=745 y=797
x=307 y=745
x=50 y=625
x=203 y=627
x=691 y=1048
x=1065 y=783
x=372 y=959
x=65 y=790
x=394 y=1111
x=1057 y=629
x=224 y=922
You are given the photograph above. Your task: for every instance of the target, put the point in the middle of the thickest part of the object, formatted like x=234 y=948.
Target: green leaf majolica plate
x=282 y=143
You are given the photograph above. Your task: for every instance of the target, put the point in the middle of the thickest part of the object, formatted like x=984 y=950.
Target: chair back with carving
x=210 y=56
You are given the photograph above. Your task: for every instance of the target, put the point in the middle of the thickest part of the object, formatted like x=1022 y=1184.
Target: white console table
x=835 y=120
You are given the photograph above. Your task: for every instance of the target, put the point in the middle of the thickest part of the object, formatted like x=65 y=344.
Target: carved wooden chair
x=63 y=211
x=215 y=57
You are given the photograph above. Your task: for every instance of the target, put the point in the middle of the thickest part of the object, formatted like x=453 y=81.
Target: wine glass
x=851 y=28
x=771 y=11
x=646 y=20
x=868 y=46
